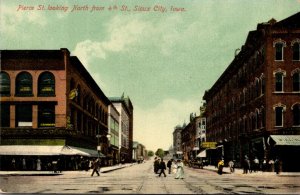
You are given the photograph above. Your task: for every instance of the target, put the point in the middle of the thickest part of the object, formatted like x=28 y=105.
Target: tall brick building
x=253 y=109
x=50 y=106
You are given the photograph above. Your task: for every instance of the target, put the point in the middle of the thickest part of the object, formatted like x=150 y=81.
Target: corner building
x=253 y=109
x=51 y=108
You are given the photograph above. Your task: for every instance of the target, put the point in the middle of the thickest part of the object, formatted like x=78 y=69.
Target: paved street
x=140 y=179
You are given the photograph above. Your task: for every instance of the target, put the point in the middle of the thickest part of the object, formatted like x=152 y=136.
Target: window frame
x=282 y=118
x=42 y=85
x=24 y=84
x=3 y=83
x=297 y=42
x=297 y=105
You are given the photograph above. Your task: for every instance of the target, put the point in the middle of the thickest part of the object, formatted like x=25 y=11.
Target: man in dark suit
x=162 y=167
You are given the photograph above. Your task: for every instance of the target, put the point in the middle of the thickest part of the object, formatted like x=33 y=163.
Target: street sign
x=209 y=145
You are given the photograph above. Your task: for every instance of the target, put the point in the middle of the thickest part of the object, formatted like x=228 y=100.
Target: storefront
x=286 y=148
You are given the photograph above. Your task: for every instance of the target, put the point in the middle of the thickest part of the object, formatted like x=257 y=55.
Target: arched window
x=24 y=84
x=296 y=115
x=279 y=116
x=296 y=51
x=296 y=81
x=4 y=84
x=46 y=84
x=279 y=45
x=279 y=81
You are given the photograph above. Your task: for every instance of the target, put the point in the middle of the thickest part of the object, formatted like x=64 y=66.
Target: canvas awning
x=286 y=140
x=202 y=154
x=39 y=150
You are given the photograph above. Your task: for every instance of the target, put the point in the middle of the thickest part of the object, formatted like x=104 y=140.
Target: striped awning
x=286 y=140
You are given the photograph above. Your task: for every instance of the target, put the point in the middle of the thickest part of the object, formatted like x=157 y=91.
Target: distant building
x=177 y=141
x=253 y=109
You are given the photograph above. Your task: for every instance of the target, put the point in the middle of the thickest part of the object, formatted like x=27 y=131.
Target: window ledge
x=24 y=95
x=279 y=60
x=46 y=95
x=278 y=126
x=293 y=92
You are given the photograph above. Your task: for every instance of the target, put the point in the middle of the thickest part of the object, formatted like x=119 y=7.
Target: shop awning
x=202 y=154
x=37 y=150
x=286 y=140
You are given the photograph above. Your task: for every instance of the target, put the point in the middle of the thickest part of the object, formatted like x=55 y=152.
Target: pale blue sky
x=163 y=61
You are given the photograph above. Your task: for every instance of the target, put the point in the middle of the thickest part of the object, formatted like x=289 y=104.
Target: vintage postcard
x=150 y=96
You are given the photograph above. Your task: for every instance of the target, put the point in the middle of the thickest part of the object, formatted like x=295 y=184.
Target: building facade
x=125 y=108
x=253 y=109
x=113 y=131
x=50 y=108
x=177 y=147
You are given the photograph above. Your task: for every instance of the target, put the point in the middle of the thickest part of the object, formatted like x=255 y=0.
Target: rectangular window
x=279 y=116
x=5 y=115
x=46 y=115
x=24 y=115
x=279 y=52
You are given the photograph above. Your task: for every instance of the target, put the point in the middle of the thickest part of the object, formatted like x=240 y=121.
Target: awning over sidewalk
x=286 y=140
x=202 y=154
x=37 y=150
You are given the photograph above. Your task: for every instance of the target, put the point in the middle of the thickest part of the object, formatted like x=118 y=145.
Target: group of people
x=160 y=167
x=254 y=165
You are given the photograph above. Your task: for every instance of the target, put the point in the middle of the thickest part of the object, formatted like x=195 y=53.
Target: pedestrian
x=220 y=166
x=162 y=167
x=246 y=165
x=231 y=166
x=38 y=164
x=156 y=165
x=169 y=165
x=13 y=164
x=95 y=167
x=180 y=171
x=24 y=164
x=277 y=165
x=256 y=164
x=264 y=165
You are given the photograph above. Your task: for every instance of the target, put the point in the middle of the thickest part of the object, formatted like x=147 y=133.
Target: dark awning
x=286 y=140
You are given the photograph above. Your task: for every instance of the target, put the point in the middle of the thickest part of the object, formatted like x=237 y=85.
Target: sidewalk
x=51 y=173
x=239 y=171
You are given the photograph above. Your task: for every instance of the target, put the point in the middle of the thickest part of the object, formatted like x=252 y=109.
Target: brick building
x=253 y=109
x=50 y=108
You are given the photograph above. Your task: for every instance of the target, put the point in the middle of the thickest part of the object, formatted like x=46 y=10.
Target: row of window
x=46 y=84
x=87 y=102
x=279 y=80
x=279 y=49
x=23 y=115
x=255 y=121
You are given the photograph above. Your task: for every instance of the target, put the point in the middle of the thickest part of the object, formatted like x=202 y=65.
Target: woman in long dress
x=179 y=172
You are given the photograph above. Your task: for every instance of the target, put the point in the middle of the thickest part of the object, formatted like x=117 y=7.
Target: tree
x=150 y=153
x=159 y=152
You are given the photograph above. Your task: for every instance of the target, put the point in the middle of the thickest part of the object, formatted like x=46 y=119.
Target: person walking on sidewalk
x=180 y=171
x=220 y=167
x=246 y=165
x=162 y=167
x=231 y=166
x=96 y=166
x=169 y=165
